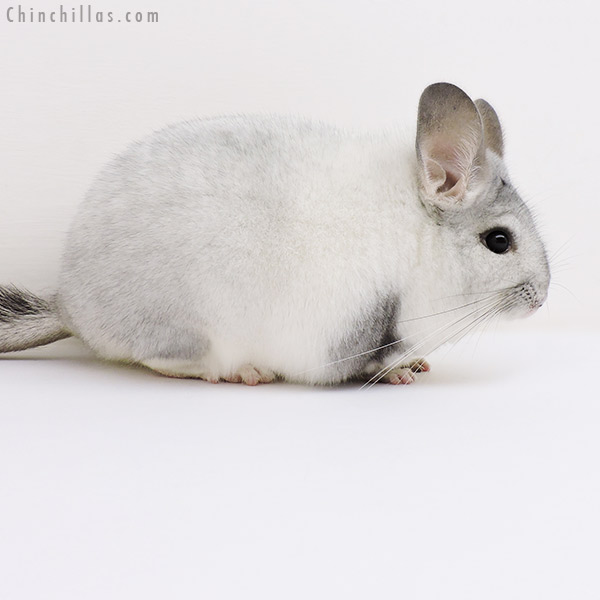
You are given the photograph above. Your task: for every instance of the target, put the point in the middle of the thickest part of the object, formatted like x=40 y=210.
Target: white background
x=480 y=481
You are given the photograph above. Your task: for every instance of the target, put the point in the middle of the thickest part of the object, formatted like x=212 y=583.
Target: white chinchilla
x=248 y=248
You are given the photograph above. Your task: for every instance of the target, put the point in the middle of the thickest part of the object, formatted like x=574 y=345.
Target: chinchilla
x=247 y=248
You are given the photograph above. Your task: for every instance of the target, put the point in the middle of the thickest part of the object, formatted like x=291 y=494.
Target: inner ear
x=451 y=180
x=440 y=176
x=449 y=142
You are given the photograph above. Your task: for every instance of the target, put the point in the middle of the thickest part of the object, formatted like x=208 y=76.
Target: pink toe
x=407 y=378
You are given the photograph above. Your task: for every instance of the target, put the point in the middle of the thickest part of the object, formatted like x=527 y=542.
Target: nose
x=537 y=290
x=541 y=296
x=545 y=283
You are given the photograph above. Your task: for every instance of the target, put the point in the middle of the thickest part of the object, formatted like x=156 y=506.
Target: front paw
x=406 y=374
x=419 y=365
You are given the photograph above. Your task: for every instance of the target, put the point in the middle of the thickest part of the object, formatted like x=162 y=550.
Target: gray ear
x=492 y=130
x=449 y=143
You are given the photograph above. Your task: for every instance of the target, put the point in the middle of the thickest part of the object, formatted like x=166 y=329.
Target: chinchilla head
x=486 y=232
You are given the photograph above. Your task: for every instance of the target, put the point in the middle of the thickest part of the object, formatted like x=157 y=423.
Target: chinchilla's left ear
x=492 y=130
x=450 y=146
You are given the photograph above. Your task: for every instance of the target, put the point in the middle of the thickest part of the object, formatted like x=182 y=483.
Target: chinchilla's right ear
x=449 y=146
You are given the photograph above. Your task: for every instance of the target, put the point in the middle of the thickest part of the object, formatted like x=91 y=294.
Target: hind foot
x=251 y=376
x=181 y=369
x=194 y=370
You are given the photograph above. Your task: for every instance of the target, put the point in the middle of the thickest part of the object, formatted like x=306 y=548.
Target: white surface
x=479 y=481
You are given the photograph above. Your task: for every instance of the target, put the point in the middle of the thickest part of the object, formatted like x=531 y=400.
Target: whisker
x=385 y=370
x=561 y=248
x=491 y=292
x=484 y=322
x=496 y=306
x=443 y=312
x=565 y=288
x=364 y=353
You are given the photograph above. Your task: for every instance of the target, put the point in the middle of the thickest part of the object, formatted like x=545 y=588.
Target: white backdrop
x=73 y=94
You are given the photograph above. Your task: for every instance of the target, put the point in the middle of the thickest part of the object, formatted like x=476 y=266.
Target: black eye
x=497 y=240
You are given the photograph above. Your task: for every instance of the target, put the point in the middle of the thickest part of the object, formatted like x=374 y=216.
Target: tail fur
x=27 y=320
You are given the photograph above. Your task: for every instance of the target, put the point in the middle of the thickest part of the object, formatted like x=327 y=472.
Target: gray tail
x=27 y=320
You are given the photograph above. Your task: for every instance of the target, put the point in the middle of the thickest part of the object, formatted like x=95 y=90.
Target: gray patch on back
x=374 y=328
